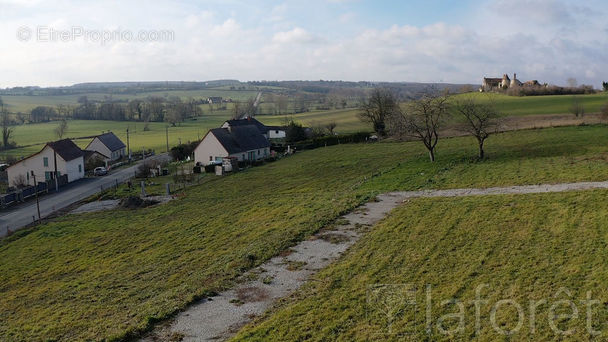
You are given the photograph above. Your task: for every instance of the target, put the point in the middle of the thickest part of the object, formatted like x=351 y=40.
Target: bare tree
x=577 y=108
x=331 y=126
x=421 y=120
x=61 y=129
x=7 y=130
x=244 y=109
x=572 y=82
x=604 y=111
x=377 y=108
x=481 y=119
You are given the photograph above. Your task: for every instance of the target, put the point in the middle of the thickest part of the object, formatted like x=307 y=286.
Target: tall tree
x=377 y=108
x=61 y=129
x=331 y=126
x=421 y=120
x=7 y=130
x=481 y=119
x=577 y=108
x=605 y=86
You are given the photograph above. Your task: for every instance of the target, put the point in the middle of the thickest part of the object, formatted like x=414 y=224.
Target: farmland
x=520 y=248
x=33 y=136
x=112 y=274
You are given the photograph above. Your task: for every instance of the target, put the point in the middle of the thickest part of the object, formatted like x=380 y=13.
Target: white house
x=108 y=145
x=62 y=156
x=270 y=132
x=245 y=143
x=276 y=132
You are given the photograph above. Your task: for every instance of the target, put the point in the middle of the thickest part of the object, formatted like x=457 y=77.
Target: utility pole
x=36 y=188
x=167 y=137
x=56 y=173
x=128 y=145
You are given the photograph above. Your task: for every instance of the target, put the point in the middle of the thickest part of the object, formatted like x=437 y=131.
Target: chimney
x=514 y=76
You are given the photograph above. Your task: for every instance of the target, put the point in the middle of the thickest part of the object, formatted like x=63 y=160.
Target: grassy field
x=537 y=105
x=524 y=248
x=347 y=120
x=25 y=103
x=111 y=274
x=33 y=136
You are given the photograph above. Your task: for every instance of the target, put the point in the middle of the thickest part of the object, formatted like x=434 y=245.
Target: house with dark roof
x=56 y=158
x=270 y=132
x=242 y=142
x=107 y=144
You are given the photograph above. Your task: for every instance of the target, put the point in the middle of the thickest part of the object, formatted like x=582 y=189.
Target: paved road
x=24 y=214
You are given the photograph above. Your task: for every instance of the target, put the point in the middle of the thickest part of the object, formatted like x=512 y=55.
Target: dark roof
x=111 y=141
x=276 y=128
x=247 y=122
x=66 y=149
x=240 y=138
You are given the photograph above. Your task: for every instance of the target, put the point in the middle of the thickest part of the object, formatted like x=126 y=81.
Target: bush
x=183 y=151
x=143 y=170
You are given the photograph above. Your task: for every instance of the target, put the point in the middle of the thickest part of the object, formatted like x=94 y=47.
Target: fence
x=22 y=194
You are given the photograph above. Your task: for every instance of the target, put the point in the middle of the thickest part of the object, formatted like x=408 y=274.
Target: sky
x=62 y=42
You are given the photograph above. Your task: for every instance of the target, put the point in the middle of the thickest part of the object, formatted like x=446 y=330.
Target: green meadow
x=31 y=137
x=405 y=279
x=538 y=105
x=111 y=275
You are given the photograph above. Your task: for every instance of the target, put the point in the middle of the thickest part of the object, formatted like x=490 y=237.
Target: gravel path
x=220 y=317
x=522 y=189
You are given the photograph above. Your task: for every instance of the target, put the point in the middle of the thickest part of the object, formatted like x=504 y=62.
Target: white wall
x=75 y=169
x=209 y=147
x=263 y=154
x=97 y=145
x=276 y=134
x=36 y=164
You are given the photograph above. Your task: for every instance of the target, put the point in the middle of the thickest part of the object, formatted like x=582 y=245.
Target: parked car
x=100 y=171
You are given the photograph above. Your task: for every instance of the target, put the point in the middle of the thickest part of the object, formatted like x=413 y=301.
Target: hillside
x=112 y=274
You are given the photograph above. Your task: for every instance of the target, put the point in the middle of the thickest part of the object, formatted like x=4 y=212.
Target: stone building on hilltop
x=493 y=84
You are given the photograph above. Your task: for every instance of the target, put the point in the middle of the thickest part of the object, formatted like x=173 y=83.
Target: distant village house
x=269 y=132
x=214 y=99
x=109 y=145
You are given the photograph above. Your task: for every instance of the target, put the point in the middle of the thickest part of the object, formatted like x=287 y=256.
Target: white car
x=100 y=171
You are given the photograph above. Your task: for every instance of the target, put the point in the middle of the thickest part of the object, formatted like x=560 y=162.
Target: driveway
x=22 y=215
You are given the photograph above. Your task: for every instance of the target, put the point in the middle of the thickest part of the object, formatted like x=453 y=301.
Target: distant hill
x=404 y=89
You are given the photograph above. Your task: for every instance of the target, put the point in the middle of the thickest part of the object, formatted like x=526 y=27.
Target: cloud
x=292 y=41
x=295 y=36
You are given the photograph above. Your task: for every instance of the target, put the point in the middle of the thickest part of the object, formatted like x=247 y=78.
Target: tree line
x=152 y=109
x=422 y=119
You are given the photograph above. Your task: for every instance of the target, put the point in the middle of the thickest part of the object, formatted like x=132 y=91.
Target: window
x=79 y=168
x=243 y=156
x=258 y=152
x=47 y=175
x=277 y=132
x=45 y=161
